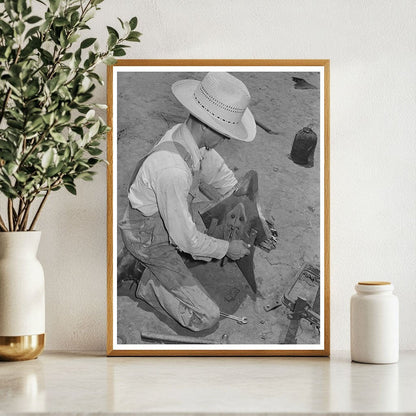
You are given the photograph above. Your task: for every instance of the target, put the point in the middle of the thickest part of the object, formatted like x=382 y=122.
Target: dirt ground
x=288 y=194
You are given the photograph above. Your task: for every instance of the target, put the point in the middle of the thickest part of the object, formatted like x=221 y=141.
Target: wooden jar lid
x=374 y=283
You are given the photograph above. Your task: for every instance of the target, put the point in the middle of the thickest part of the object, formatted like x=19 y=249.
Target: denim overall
x=166 y=284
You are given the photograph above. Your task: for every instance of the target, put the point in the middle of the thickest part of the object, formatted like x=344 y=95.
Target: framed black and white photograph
x=218 y=207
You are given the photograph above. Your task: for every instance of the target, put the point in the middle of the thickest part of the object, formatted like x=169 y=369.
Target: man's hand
x=238 y=249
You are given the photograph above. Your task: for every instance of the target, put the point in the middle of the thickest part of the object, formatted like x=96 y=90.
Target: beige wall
x=371 y=45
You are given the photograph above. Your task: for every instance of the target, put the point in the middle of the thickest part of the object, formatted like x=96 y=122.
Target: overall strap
x=170 y=146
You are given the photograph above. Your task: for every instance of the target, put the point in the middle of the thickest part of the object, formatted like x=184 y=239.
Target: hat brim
x=245 y=130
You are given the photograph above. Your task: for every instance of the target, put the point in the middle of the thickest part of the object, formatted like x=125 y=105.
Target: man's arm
x=216 y=173
x=171 y=188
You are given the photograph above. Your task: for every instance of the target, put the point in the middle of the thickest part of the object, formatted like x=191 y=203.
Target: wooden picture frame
x=289 y=313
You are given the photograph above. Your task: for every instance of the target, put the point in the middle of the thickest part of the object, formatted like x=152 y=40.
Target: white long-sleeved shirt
x=163 y=183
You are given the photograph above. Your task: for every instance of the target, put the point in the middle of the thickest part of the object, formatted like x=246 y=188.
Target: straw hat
x=220 y=101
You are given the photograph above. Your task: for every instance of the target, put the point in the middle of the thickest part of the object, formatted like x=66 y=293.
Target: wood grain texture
x=110 y=209
x=325 y=63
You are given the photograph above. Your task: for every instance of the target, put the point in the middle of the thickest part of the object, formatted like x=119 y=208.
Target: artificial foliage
x=50 y=133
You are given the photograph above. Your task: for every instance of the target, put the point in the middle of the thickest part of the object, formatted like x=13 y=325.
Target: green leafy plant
x=50 y=134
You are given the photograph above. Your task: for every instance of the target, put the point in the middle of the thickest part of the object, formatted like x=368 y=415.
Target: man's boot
x=128 y=268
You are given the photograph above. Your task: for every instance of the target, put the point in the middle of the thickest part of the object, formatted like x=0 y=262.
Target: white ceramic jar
x=374 y=323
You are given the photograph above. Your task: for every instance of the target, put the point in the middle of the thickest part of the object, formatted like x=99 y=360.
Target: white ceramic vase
x=22 y=296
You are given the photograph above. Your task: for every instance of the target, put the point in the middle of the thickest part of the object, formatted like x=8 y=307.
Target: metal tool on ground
x=305 y=292
x=238 y=217
x=301 y=309
x=271 y=243
x=271 y=306
x=234 y=223
x=242 y=320
x=303 y=301
x=180 y=339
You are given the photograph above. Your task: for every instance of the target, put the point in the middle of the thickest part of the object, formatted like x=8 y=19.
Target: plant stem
x=56 y=61
x=2 y=224
x=36 y=144
x=21 y=212
x=39 y=209
x=17 y=217
x=3 y=108
x=84 y=10
x=10 y=213
x=26 y=216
